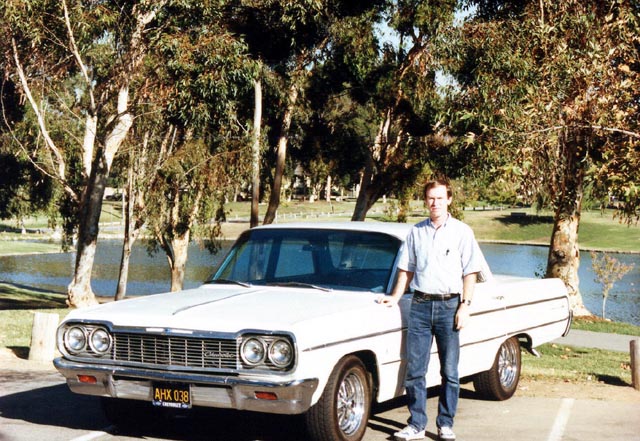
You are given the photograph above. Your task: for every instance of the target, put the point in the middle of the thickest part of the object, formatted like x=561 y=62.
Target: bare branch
x=614 y=130
x=76 y=55
x=562 y=127
x=35 y=164
x=59 y=159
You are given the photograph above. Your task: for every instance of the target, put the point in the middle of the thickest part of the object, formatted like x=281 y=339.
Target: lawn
x=9 y=247
x=571 y=364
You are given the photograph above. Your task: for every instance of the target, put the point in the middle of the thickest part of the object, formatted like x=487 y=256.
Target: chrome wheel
x=351 y=403
x=342 y=412
x=509 y=365
x=501 y=381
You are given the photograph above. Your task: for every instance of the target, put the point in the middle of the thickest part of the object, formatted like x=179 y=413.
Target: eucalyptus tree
x=289 y=38
x=23 y=190
x=394 y=85
x=75 y=62
x=551 y=91
x=206 y=76
x=185 y=152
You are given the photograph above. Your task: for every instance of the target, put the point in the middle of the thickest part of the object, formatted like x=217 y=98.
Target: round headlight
x=281 y=353
x=100 y=341
x=75 y=339
x=252 y=351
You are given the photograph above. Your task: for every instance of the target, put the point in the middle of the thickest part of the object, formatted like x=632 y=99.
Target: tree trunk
x=255 y=150
x=178 y=260
x=123 y=274
x=79 y=292
x=274 y=198
x=367 y=195
x=564 y=255
x=132 y=230
x=327 y=189
x=363 y=203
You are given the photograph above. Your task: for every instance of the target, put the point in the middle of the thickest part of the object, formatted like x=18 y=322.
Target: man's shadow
x=389 y=426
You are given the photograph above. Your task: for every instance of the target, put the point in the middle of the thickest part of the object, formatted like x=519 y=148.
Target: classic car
x=289 y=324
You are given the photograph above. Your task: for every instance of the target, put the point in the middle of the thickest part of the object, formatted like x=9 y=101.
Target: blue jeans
x=431 y=319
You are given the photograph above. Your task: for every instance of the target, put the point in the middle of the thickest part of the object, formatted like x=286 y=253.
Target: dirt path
x=594 y=390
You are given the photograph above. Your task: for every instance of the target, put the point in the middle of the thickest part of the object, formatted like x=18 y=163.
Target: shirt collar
x=444 y=224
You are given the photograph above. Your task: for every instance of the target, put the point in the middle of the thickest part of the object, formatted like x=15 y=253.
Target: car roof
x=396 y=229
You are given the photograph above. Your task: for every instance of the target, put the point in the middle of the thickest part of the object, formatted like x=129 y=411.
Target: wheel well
x=526 y=342
x=368 y=358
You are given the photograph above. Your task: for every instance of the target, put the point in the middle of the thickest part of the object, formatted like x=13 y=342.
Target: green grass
x=9 y=247
x=567 y=363
x=17 y=307
x=596 y=324
x=598 y=231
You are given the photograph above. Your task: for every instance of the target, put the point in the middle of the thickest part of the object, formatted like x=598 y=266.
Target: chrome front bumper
x=293 y=397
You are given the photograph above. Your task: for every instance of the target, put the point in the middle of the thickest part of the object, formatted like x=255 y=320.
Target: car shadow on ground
x=53 y=406
x=383 y=424
x=611 y=380
x=223 y=425
x=57 y=406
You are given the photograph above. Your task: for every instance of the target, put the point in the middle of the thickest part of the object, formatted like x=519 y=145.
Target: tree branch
x=562 y=127
x=76 y=55
x=91 y=121
x=58 y=164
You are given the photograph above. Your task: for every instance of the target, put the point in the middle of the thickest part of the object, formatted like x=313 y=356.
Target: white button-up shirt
x=439 y=258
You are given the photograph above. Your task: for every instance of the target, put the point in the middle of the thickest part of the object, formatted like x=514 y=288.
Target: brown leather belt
x=427 y=296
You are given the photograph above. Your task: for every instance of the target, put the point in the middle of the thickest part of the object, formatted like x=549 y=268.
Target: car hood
x=226 y=308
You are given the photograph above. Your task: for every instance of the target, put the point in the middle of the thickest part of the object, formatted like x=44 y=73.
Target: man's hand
x=462 y=316
x=402 y=283
x=388 y=301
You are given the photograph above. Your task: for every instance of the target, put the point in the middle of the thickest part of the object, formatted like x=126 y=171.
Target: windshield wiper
x=229 y=282
x=299 y=285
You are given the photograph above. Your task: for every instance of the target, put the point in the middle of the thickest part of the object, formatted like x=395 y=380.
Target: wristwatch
x=466 y=302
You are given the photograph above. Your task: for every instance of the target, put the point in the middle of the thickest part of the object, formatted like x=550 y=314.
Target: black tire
x=501 y=381
x=343 y=410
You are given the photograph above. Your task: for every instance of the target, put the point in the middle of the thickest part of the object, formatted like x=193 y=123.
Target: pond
x=150 y=274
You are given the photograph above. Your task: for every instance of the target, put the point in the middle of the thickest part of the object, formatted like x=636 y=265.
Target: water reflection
x=150 y=274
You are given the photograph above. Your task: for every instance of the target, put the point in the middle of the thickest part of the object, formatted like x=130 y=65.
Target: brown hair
x=437 y=182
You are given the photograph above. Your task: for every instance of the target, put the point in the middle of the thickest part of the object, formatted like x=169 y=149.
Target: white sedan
x=289 y=324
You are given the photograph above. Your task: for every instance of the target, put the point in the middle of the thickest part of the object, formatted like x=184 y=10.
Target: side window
x=295 y=258
x=366 y=252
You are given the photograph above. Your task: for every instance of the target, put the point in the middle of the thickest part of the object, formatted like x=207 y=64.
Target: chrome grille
x=164 y=350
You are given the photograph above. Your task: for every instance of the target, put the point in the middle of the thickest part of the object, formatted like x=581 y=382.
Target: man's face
x=438 y=201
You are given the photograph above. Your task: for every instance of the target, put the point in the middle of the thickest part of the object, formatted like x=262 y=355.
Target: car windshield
x=314 y=258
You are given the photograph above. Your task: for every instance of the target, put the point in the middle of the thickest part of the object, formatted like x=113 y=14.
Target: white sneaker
x=409 y=433
x=446 y=434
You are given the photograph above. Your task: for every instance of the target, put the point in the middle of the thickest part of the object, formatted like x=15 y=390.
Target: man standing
x=440 y=261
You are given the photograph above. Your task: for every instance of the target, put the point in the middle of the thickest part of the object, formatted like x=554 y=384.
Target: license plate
x=172 y=395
